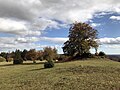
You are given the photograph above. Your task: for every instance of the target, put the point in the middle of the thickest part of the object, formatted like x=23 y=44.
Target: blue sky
x=27 y=24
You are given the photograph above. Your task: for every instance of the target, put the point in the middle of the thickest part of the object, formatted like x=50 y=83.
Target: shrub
x=18 y=61
x=61 y=57
x=49 y=64
x=102 y=54
x=64 y=58
x=87 y=55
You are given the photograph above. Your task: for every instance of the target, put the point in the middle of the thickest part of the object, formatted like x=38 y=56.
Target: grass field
x=77 y=75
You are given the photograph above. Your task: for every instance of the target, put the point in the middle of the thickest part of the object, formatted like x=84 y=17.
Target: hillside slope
x=78 y=75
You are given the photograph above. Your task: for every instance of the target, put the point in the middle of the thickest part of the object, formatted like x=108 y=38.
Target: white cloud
x=113 y=46
x=27 y=39
x=115 y=18
x=95 y=24
x=13 y=27
x=16 y=27
x=109 y=40
x=77 y=10
x=50 y=10
x=54 y=40
x=23 y=28
x=12 y=43
x=63 y=10
x=43 y=23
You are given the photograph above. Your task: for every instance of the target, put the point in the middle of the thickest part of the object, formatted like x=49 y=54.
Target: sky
x=28 y=24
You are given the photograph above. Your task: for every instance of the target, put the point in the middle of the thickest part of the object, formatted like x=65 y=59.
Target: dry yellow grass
x=78 y=75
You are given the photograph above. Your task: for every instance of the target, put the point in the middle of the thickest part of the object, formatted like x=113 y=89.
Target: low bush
x=87 y=55
x=83 y=56
x=64 y=58
x=18 y=61
x=102 y=54
x=49 y=64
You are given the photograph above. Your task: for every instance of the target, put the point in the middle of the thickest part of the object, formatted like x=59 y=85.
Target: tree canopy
x=81 y=38
x=50 y=53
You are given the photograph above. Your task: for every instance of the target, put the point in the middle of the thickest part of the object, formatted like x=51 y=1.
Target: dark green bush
x=102 y=54
x=18 y=61
x=87 y=55
x=49 y=64
x=61 y=57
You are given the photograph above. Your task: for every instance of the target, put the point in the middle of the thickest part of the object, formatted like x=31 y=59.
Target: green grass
x=77 y=75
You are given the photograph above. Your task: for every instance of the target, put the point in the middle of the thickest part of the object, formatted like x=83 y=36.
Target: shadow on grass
x=32 y=63
x=37 y=69
x=7 y=65
x=21 y=64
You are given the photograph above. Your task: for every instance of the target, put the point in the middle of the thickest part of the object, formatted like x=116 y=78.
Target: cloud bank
x=109 y=40
x=27 y=20
x=115 y=18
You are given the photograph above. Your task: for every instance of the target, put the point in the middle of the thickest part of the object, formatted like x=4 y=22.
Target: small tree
x=81 y=38
x=32 y=55
x=49 y=53
x=40 y=55
x=24 y=54
x=17 y=57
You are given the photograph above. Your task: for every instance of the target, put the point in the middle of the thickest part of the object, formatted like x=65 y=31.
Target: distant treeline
x=32 y=54
x=114 y=57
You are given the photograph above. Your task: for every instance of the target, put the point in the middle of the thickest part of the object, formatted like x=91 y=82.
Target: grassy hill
x=77 y=75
